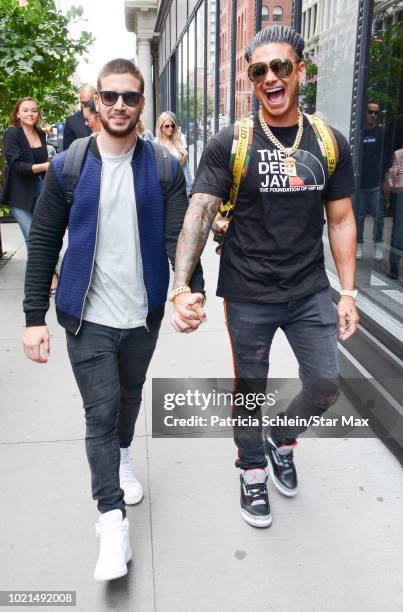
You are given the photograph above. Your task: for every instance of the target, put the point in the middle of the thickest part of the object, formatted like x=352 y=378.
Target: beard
x=120 y=133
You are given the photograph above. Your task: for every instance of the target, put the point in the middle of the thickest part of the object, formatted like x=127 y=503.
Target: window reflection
x=330 y=35
x=211 y=64
x=379 y=201
x=191 y=126
x=199 y=123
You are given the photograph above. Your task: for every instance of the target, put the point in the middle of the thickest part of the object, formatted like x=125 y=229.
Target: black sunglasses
x=88 y=119
x=281 y=67
x=130 y=98
x=372 y=112
x=169 y=125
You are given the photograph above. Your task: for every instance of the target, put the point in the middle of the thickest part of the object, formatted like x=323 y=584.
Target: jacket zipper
x=92 y=266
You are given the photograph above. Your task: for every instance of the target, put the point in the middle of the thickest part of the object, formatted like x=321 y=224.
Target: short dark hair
x=276 y=34
x=373 y=102
x=120 y=66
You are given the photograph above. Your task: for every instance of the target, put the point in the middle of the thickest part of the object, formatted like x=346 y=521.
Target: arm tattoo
x=196 y=226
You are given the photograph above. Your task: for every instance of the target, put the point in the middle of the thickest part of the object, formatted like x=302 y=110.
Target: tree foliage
x=38 y=57
x=308 y=89
x=386 y=71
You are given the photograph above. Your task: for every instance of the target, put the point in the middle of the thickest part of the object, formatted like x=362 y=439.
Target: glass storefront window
x=211 y=64
x=378 y=200
x=172 y=13
x=179 y=86
x=181 y=15
x=191 y=6
x=163 y=54
x=199 y=123
x=167 y=37
x=191 y=126
x=378 y=203
x=185 y=86
x=224 y=63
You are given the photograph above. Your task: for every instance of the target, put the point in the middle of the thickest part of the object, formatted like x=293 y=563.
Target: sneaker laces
x=125 y=471
x=258 y=493
x=286 y=459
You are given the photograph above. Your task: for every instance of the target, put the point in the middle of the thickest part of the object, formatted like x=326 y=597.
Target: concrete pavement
x=335 y=547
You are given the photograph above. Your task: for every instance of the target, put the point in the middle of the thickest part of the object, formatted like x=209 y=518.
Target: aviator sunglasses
x=130 y=98
x=169 y=125
x=281 y=67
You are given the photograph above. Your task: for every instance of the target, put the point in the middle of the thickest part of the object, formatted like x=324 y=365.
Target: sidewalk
x=335 y=547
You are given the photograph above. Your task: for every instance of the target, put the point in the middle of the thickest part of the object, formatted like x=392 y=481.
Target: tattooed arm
x=192 y=239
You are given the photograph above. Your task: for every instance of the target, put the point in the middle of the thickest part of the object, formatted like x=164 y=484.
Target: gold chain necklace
x=275 y=141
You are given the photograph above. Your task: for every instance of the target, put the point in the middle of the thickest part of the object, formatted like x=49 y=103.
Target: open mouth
x=276 y=95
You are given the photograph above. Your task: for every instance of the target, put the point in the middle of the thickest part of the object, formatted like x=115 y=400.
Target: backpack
x=240 y=158
x=75 y=158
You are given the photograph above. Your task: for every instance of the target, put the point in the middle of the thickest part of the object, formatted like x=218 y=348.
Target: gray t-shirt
x=117 y=296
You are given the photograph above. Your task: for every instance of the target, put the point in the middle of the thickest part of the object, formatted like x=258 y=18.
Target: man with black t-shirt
x=369 y=197
x=272 y=271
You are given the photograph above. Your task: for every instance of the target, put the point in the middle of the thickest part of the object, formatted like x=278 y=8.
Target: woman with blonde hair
x=167 y=133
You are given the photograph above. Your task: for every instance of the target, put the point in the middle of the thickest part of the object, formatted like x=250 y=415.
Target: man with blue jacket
x=123 y=222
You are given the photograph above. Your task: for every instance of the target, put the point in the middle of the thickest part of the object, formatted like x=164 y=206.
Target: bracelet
x=352 y=294
x=175 y=292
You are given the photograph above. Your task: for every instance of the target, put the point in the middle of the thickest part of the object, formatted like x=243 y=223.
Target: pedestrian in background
x=75 y=126
x=368 y=199
x=143 y=132
x=27 y=159
x=167 y=133
x=91 y=117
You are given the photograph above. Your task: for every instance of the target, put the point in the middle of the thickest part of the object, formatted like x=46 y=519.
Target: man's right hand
x=36 y=343
x=188 y=312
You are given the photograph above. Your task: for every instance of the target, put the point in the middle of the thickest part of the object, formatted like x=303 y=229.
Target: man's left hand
x=348 y=317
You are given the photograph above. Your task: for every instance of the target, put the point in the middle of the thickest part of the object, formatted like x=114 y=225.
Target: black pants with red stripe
x=310 y=325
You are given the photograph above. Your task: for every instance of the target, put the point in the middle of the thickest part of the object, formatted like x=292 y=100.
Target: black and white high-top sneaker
x=281 y=466
x=255 y=507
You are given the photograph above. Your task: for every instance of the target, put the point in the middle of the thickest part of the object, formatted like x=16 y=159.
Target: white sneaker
x=358 y=254
x=132 y=488
x=378 y=255
x=114 y=546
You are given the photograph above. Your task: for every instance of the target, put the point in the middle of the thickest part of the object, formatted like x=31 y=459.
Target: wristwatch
x=352 y=294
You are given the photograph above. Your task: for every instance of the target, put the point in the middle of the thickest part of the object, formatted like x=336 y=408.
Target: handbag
x=394 y=176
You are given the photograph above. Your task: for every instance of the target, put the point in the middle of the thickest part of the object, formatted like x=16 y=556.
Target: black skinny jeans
x=110 y=367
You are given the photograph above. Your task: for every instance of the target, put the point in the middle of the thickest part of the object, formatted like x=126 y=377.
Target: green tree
x=199 y=105
x=308 y=89
x=386 y=70
x=38 y=57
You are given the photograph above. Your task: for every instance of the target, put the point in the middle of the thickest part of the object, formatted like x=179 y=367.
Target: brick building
x=273 y=12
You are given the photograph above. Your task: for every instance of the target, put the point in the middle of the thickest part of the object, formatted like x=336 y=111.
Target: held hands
x=348 y=317
x=36 y=343
x=188 y=312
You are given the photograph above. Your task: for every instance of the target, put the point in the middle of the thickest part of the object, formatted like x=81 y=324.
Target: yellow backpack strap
x=239 y=161
x=327 y=142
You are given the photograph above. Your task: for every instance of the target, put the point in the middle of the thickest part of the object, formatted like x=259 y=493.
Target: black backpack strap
x=164 y=163
x=73 y=165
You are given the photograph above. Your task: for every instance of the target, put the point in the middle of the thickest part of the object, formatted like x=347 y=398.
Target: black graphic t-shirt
x=273 y=248
x=371 y=163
